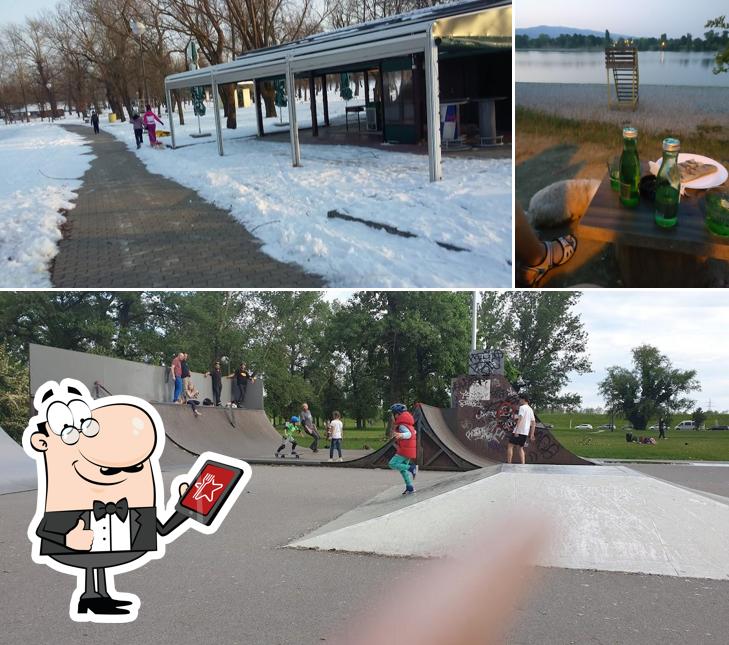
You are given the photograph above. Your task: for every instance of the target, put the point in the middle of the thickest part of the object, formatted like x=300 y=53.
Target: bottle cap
x=630 y=133
x=671 y=145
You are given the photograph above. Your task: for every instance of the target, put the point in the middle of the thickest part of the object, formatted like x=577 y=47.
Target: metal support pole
x=216 y=107
x=474 y=320
x=325 y=99
x=432 y=89
x=259 y=113
x=312 y=99
x=293 y=125
x=170 y=115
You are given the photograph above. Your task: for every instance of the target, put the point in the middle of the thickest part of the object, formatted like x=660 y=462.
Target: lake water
x=656 y=68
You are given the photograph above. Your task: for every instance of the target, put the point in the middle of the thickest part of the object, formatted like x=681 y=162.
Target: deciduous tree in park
x=698 y=416
x=14 y=387
x=652 y=388
x=543 y=338
x=722 y=57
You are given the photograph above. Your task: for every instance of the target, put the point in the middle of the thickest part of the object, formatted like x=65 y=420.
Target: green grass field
x=603 y=444
x=687 y=445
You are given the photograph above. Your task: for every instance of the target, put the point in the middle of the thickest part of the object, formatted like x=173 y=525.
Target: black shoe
x=117 y=603
x=100 y=606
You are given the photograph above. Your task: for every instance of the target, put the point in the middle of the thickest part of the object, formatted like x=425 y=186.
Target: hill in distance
x=553 y=32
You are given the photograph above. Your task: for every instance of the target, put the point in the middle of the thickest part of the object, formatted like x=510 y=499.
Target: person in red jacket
x=405 y=445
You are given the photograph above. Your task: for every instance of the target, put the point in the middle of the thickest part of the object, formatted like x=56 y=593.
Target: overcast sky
x=691 y=327
x=644 y=18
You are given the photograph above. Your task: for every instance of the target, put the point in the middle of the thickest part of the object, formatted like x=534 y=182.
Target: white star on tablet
x=209 y=483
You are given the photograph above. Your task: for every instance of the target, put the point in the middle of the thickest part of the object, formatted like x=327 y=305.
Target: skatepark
x=630 y=553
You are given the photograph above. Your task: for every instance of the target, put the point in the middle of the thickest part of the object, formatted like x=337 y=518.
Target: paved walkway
x=133 y=229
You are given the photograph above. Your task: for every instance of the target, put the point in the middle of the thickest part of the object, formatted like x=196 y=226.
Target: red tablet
x=208 y=491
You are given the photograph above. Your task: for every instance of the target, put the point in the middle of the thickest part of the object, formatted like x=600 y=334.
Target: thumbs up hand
x=79 y=538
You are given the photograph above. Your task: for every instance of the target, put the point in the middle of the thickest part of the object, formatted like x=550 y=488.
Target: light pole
x=49 y=86
x=138 y=28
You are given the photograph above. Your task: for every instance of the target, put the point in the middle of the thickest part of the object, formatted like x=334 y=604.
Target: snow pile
x=286 y=207
x=30 y=202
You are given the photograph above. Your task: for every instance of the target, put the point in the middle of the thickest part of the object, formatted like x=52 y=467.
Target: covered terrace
x=448 y=56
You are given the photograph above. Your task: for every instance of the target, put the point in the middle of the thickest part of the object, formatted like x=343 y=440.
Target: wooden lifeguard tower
x=623 y=61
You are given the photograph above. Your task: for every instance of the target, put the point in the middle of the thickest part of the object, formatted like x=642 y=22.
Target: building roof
x=389 y=37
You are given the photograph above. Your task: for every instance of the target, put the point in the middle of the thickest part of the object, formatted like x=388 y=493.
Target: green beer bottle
x=668 y=185
x=630 y=169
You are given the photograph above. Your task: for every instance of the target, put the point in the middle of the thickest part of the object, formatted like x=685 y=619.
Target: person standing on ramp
x=405 y=445
x=525 y=427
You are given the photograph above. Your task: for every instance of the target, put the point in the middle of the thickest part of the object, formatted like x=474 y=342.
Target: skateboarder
x=405 y=445
x=290 y=428
x=307 y=421
x=525 y=427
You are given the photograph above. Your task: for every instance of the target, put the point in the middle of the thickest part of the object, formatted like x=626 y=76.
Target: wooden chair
x=623 y=61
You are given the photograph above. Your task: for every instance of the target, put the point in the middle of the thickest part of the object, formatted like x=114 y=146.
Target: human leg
x=401 y=464
x=178 y=389
x=509 y=452
x=338 y=444
x=522 y=454
x=535 y=257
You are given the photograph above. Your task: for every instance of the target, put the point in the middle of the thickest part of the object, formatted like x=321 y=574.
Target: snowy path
x=287 y=207
x=30 y=200
x=133 y=229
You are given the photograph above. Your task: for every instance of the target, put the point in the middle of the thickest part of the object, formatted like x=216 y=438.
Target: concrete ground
x=239 y=586
x=133 y=229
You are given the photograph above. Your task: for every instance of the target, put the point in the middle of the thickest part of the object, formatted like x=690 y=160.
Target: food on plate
x=691 y=170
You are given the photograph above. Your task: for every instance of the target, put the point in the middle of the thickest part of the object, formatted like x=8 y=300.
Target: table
x=649 y=256
x=352 y=108
x=487 y=121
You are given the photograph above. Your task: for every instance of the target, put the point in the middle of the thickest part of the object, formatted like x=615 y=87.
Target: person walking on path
x=176 y=369
x=95 y=122
x=526 y=425
x=335 y=433
x=405 y=446
x=661 y=429
x=217 y=376
x=291 y=427
x=149 y=119
x=307 y=421
x=138 y=126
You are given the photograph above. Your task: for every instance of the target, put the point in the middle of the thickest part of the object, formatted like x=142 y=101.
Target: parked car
x=653 y=428
x=686 y=425
x=719 y=428
x=583 y=426
x=606 y=426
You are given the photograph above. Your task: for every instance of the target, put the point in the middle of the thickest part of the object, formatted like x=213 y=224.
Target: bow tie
x=120 y=509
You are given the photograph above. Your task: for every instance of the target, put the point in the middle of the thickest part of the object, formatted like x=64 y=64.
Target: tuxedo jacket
x=144 y=527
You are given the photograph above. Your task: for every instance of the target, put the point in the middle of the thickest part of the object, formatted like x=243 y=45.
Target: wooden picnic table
x=650 y=256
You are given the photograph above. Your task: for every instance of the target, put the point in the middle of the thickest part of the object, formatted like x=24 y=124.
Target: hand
x=79 y=538
x=183 y=489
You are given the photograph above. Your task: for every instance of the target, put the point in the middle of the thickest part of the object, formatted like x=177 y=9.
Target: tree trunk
x=176 y=98
x=268 y=94
x=227 y=93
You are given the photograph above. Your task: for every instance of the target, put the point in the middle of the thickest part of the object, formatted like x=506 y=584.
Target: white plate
x=707 y=181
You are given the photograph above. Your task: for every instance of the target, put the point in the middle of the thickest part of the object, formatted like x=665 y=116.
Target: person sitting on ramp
x=405 y=445
x=290 y=428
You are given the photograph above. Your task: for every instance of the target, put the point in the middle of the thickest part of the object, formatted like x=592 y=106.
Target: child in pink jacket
x=149 y=119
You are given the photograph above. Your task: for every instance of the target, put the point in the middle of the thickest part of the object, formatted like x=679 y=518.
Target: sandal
x=530 y=276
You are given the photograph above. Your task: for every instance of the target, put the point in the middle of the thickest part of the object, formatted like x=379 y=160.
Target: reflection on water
x=656 y=68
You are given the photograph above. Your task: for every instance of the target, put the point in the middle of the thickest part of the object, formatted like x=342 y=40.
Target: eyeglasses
x=70 y=421
x=89 y=428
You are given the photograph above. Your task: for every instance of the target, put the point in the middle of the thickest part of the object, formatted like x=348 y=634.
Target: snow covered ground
x=30 y=201
x=287 y=207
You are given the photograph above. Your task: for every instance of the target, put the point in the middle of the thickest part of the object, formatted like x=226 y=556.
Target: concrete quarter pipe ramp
x=17 y=470
x=475 y=432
